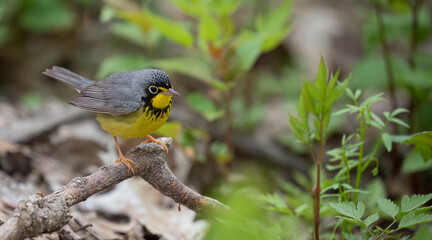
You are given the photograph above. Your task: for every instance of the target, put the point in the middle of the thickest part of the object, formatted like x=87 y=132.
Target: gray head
x=146 y=77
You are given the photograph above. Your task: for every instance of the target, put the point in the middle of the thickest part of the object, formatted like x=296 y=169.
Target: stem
x=414 y=30
x=376 y=147
x=219 y=57
x=360 y=159
x=371 y=233
x=415 y=104
x=317 y=192
x=386 y=56
x=228 y=129
x=373 y=154
x=387 y=228
x=345 y=160
x=317 y=197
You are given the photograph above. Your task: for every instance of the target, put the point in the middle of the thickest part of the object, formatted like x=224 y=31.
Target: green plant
x=316 y=100
x=408 y=213
x=342 y=192
x=213 y=50
x=352 y=153
x=394 y=27
x=423 y=144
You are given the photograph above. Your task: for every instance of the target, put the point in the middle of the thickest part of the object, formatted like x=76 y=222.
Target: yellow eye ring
x=153 y=90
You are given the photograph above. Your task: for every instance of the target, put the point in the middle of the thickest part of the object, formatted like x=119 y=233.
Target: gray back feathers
x=119 y=94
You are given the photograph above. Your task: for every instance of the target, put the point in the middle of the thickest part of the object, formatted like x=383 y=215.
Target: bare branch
x=39 y=214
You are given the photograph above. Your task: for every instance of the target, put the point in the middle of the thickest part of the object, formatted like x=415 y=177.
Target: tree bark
x=44 y=214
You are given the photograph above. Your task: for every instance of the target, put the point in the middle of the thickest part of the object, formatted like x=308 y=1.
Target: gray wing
x=115 y=96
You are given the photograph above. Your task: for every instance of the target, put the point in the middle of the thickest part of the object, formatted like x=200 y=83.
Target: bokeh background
x=239 y=66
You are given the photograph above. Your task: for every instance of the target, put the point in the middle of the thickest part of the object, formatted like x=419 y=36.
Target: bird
x=130 y=104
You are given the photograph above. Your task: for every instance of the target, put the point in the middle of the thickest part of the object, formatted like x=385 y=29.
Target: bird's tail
x=68 y=77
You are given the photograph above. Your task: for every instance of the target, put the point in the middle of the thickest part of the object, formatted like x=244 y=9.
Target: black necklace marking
x=153 y=112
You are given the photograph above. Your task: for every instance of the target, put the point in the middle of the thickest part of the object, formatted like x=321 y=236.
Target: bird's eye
x=153 y=89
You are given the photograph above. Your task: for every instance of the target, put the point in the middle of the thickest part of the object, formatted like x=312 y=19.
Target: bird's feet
x=152 y=139
x=122 y=158
x=127 y=162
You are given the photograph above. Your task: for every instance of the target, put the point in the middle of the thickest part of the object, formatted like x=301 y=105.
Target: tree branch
x=39 y=214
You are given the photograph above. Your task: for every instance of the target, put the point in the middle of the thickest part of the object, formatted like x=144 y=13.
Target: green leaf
x=321 y=79
x=399 y=111
x=349 y=236
x=220 y=151
x=421 y=138
x=424 y=232
x=170 y=29
x=222 y=7
x=274 y=19
x=298 y=128
x=371 y=219
x=423 y=209
x=339 y=89
x=349 y=209
x=170 y=129
x=278 y=204
x=387 y=141
x=412 y=219
x=209 y=29
x=248 y=52
x=315 y=94
x=423 y=143
x=357 y=94
x=273 y=26
x=191 y=66
x=107 y=13
x=410 y=203
x=352 y=220
x=121 y=63
x=190 y=7
x=342 y=111
x=130 y=32
x=379 y=123
x=47 y=15
x=388 y=207
x=306 y=104
x=413 y=162
x=205 y=106
x=373 y=99
x=399 y=122
x=32 y=100
x=350 y=94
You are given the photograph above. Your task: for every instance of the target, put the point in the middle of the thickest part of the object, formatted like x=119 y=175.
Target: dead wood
x=43 y=214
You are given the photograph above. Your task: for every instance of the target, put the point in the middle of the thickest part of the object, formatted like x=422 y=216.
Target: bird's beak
x=171 y=92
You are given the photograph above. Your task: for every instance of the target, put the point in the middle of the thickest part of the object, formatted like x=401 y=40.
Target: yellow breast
x=140 y=123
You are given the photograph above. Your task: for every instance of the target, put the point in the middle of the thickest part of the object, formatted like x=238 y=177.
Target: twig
x=39 y=214
x=386 y=56
x=415 y=7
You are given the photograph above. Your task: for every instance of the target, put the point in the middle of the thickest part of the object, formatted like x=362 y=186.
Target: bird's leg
x=152 y=139
x=122 y=158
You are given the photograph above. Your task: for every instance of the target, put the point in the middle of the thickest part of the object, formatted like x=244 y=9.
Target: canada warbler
x=130 y=104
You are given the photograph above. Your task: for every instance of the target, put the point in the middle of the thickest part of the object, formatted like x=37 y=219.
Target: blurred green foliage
x=46 y=15
x=406 y=25
x=205 y=106
x=42 y=16
x=423 y=144
x=217 y=43
x=210 y=47
x=244 y=191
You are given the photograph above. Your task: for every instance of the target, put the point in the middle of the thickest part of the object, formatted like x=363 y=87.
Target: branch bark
x=43 y=214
